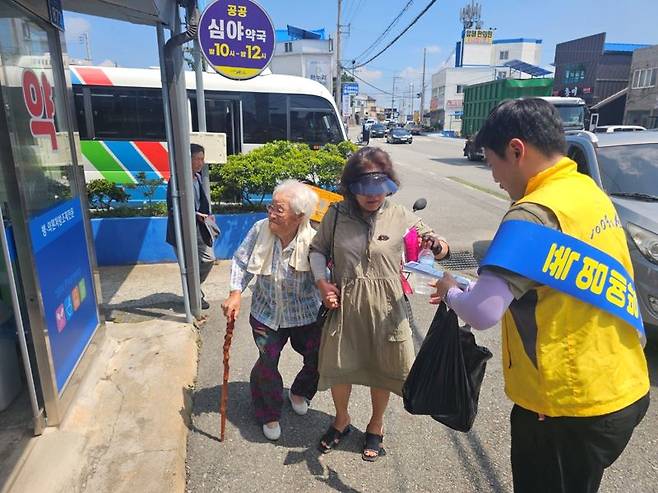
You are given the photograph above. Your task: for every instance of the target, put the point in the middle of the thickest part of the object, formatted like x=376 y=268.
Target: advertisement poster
x=236 y=38
x=62 y=264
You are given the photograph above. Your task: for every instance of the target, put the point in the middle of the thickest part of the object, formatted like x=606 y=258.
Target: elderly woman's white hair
x=303 y=200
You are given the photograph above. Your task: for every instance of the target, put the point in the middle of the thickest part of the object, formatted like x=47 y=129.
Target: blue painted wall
x=141 y=240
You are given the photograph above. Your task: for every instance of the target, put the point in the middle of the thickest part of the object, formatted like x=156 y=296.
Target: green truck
x=479 y=99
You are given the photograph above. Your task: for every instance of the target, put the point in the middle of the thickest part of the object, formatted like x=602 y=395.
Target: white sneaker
x=300 y=409
x=273 y=433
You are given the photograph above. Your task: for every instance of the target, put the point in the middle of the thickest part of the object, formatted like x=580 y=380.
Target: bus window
x=314 y=127
x=263 y=117
x=298 y=101
x=125 y=113
x=78 y=99
x=221 y=117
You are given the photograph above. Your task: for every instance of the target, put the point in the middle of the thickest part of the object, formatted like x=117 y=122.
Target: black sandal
x=332 y=438
x=373 y=443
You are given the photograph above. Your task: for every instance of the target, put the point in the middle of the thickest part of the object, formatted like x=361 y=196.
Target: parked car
x=377 y=130
x=625 y=165
x=609 y=129
x=414 y=128
x=399 y=135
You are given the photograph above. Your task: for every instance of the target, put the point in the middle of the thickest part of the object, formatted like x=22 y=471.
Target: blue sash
x=568 y=265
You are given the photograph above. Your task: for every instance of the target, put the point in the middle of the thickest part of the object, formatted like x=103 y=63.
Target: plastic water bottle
x=421 y=281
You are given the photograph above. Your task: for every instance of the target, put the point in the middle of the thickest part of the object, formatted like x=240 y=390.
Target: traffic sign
x=350 y=88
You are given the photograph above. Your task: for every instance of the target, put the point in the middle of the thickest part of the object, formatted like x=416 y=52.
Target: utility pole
x=339 y=84
x=395 y=77
x=422 y=89
x=412 y=100
x=84 y=39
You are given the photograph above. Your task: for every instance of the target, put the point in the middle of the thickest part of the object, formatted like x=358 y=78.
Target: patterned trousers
x=266 y=381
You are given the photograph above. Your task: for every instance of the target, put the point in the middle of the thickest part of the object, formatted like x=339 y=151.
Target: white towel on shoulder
x=260 y=262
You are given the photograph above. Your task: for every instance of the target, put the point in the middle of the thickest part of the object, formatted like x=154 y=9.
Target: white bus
x=120 y=117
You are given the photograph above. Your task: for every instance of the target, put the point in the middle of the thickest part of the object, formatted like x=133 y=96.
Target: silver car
x=625 y=165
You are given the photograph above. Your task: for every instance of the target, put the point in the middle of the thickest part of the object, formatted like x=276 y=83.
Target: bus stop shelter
x=49 y=287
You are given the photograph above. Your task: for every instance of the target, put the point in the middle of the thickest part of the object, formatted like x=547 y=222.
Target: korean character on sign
x=216 y=31
x=559 y=261
x=38 y=99
x=232 y=10
x=261 y=35
x=632 y=307
x=242 y=11
x=234 y=30
x=44 y=232
x=250 y=34
x=592 y=276
x=616 y=292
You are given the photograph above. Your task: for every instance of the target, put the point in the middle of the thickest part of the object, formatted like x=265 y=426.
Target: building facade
x=592 y=69
x=305 y=53
x=478 y=58
x=642 y=97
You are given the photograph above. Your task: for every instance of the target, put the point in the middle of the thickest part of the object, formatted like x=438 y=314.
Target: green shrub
x=101 y=193
x=255 y=174
x=155 y=209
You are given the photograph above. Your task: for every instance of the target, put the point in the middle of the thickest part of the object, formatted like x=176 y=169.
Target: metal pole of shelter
x=175 y=74
x=339 y=71
x=173 y=185
x=200 y=101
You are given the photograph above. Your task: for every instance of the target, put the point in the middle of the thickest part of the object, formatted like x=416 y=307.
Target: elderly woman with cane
x=285 y=301
x=366 y=339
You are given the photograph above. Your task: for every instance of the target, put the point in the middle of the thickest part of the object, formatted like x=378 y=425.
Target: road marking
x=479 y=188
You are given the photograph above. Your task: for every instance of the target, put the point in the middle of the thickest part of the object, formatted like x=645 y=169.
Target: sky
x=555 y=21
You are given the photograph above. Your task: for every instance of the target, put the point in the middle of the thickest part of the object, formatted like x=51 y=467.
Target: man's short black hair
x=196 y=148
x=535 y=121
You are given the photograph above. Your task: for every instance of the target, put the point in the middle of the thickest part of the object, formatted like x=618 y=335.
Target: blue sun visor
x=373 y=184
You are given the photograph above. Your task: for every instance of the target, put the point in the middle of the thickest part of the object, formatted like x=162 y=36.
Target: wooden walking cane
x=224 y=399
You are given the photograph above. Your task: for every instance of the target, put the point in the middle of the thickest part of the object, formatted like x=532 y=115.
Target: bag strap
x=332 y=261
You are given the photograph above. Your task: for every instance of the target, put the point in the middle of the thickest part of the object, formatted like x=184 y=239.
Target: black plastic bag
x=444 y=381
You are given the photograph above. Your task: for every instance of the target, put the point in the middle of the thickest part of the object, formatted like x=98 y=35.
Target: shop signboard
x=478 y=36
x=236 y=38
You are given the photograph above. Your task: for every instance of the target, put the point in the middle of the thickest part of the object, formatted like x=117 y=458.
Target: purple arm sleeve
x=482 y=305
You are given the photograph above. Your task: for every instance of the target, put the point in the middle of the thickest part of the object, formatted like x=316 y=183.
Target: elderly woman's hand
x=439 y=247
x=231 y=306
x=330 y=294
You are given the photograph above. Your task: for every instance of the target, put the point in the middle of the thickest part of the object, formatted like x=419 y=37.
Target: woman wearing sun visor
x=367 y=335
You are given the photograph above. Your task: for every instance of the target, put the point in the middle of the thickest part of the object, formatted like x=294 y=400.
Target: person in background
x=575 y=371
x=366 y=339
x=285 y=301
x=205 y=239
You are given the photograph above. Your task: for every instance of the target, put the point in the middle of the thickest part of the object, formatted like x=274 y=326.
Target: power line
x=386 y=31
x=380 y=91
x=432 y=2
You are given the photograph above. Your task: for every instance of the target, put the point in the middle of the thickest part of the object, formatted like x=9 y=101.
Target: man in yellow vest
x=574 y=369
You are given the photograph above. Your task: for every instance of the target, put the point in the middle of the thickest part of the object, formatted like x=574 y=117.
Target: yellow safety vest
x=585 y=361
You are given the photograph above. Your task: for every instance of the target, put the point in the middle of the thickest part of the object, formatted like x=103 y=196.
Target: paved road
x=422 y=454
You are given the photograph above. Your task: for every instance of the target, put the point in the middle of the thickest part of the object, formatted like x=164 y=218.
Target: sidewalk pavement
x=144 y=420
x=126 y=430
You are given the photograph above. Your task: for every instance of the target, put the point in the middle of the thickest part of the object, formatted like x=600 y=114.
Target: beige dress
x=367 y=341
